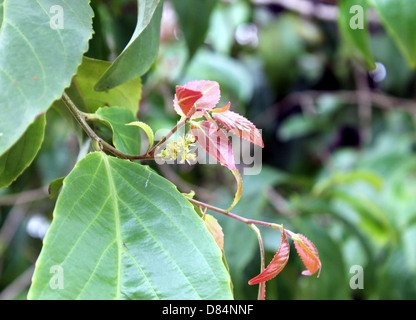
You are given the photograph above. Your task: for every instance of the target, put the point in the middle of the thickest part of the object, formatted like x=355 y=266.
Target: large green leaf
x=398 y=16
x=359 y=36
x=140 y=53
x=21 y=155
x=121 y=231
x=127 y=95
x=37 y=61
x=194 y=17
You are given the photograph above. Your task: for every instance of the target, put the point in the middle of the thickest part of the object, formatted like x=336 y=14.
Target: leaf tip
x=308 y=254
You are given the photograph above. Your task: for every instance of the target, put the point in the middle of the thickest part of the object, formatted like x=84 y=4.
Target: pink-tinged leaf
x=186 y=98
x=309 y=255
x=210 y=92
x=240 y=126
x=210 y=96
x=277 y=264
x=214 y=141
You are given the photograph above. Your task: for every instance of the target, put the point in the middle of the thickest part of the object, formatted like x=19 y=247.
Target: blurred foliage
x=354 y=198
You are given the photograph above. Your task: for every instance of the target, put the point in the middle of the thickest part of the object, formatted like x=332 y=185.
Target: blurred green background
x=338 y=164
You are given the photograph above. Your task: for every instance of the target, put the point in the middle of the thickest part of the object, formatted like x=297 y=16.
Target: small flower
x=180 y=150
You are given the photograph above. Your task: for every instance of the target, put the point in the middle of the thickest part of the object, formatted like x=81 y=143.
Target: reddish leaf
x=309 y=255
x=277 y=264
x=186 y=98
x=210 y=96
x=240 y=126
x=215 y=142
x=210 y=92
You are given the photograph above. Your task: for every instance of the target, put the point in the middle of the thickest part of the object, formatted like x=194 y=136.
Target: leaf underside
x=277 y=264
x=37 y=62
x=120 y=231
x=240 y=126
x=309 y=255
x=140 y=53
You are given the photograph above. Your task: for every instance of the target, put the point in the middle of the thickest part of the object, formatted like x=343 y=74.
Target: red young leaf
x=210 y=92
x=240 y=126
x=277 y=264
x=210 y=96
x=309 y=255
x=215 y=142
x=186 y=99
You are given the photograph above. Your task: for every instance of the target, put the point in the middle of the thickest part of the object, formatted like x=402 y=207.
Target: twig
x=9 y=228
x=18 y=285
x=82 y=120
x=161 y=142
x=79 y=116
x=279 y=203
x=24 y=197
x=249 y=222
x=262 y=286
x=364 y=104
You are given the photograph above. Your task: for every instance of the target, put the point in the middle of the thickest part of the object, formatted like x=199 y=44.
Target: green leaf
x=399 y=19
x=355 y=33
x=194 y=17
x=146 y=128
x=127 y=95
x=121 y=231
x=37 y=61
x=55 y=186
x=140 y=53
x=126 y=139
x=21 y=155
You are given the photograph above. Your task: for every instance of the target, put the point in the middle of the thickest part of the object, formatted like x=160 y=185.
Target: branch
x=18 y=285
x=80 y=117
x=262 y=286
x=24 y=197
x=364 y=103
x=178 y=125
x=249 y=222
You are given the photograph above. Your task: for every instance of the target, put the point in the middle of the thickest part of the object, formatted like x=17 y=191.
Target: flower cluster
x=180 y=149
